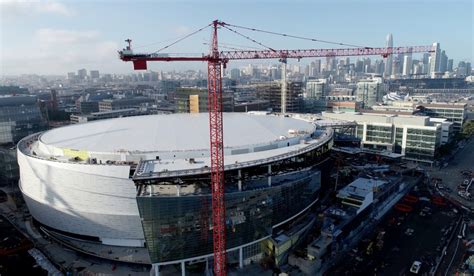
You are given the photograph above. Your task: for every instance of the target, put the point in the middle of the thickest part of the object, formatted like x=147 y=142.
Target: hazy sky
x=55 y=37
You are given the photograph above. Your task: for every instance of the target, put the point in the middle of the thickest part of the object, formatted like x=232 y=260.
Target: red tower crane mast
x=217 y=61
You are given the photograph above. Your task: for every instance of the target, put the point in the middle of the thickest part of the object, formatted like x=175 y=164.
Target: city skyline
x=60 y=37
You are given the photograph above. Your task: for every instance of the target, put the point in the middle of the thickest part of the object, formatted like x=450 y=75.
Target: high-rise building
x=154 y=76
x=359 y=66
x=235 y=73
x=462 y=69
x=82 y=74
x=20 y=116
x=379 y=67
x=443 y=65
x=407 y=64
x=195 y=100
x=296 y=69
x=435 y=59
x=426 y=58
x=450 y=65
x=315 y=89
x=388 y=63
x=417 y=69
x=275 y=73
x=331 y=64
x=94 y=74
x=367 y=65
x=271 y=91
x=316 y=66
x=369 y=92
x=396 y=65
x=71 y=76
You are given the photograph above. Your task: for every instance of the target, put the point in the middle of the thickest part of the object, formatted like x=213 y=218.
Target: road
x=454 y=254
x=451 y=176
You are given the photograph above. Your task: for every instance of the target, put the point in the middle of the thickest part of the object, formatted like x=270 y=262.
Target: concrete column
x=239 y=181
x=404 y=139
x=155 y=270
x=283 y=85
x=241 y=258
x=183 y=269
x=178 y=190
x=269 y=175
x=364 y=135
x=207 y=273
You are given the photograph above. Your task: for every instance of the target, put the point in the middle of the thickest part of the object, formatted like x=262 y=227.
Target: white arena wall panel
x=85 y=199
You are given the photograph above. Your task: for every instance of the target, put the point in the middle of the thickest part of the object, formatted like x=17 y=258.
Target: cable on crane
x=249 y=38
x=233 y=47
x=183 y=38
x=156 y=43
x=295 y=36
x=240 y=46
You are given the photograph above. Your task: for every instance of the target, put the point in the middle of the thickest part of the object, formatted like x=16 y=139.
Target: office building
x=9 y=172
x=94 y=74
x=407 y=64
x=271 y=91
x=415 y=137
x=235 y=73
x=315 y=89
x=195 y=100
x=82 y=74
x=450 y=65
x=454 y=112
x=447 y=129
x=443 y=63
x=343 y=106
x=435 y=59
x=19 y=116
x=124 y=103
x=370 y=92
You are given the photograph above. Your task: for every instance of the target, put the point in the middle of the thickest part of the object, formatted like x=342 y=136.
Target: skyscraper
x=94 y=74
x=450 y=65
x=379 y=67
x=388 y=63
x=82 y=74
x=443 y=64
x=317 y=66
x=435 y=59
x=367 y=64
x=235 y=73
x=407 y=65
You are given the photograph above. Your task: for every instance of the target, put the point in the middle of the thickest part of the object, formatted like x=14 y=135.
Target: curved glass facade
x=180 y=227
x=176 y=213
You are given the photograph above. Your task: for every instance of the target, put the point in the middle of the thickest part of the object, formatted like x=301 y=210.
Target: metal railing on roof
x=142 y=173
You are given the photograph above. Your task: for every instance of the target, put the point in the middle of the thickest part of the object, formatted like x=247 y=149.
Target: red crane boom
x=217 y=60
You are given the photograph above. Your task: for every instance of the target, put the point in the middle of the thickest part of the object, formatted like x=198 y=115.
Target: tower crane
x=216 y=63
